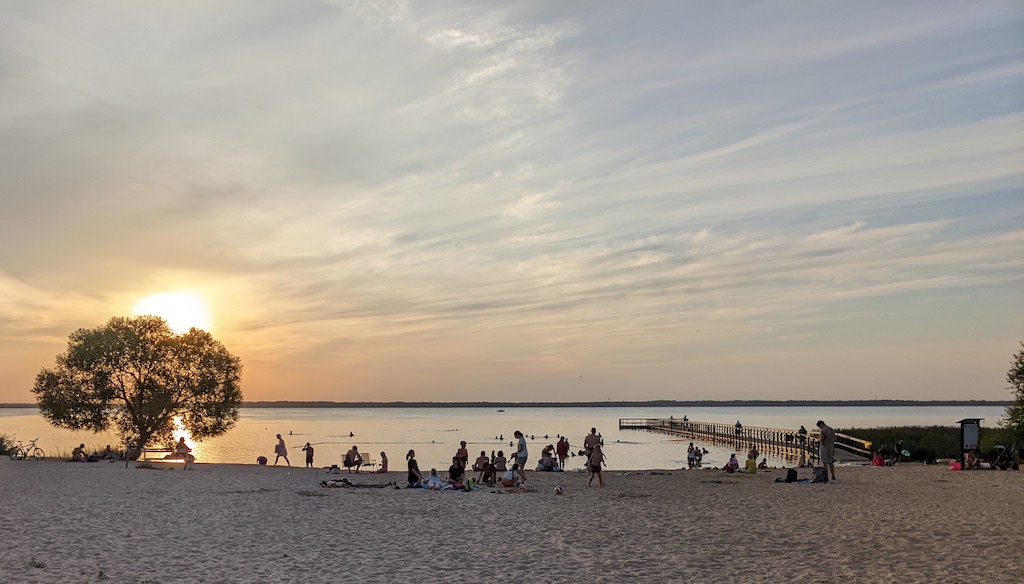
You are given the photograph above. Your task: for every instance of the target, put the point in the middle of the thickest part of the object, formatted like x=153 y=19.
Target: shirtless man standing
x=590 y=441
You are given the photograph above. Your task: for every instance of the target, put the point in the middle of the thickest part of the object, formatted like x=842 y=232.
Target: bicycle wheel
x=38 y=454
x=16 y=453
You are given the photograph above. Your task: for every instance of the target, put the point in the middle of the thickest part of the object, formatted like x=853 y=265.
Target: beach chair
x=369 y=461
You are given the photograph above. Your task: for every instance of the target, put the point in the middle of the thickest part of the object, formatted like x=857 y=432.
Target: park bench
x=146 y=452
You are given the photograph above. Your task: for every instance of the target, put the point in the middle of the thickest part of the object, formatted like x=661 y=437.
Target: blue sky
x=533 y=201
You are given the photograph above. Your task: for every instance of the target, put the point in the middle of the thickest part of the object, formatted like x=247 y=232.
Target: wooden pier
x=780 y=441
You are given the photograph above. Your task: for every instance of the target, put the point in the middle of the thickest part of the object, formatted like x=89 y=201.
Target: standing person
x=463 y=454
x=590 y=441
x=309 y=455
x=562 y=449
x=594 y=463
x=801 y=437
x=281 y=451
x=827 y=448
x=414 y=478
x=691 y=456
x=739 y=428
x=521 y=455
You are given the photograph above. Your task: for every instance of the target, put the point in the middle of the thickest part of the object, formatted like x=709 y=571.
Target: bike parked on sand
x=23 y=451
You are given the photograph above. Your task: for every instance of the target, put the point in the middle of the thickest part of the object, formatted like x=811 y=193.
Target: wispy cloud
x=457 y=201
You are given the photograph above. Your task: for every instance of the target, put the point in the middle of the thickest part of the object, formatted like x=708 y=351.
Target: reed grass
x=929 y=443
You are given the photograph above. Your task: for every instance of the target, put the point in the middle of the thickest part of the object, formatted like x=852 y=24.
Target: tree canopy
x=137 y=376
x=1015 y=413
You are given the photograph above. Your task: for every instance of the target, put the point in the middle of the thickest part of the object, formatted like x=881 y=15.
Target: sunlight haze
x=526 y=201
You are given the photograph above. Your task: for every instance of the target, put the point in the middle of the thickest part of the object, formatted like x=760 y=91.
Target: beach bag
x=820 y=475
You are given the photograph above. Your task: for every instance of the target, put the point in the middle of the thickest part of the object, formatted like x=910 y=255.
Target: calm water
x=435 y=432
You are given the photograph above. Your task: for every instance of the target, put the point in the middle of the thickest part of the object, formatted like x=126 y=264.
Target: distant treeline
x=616 y=404
x=631 y=404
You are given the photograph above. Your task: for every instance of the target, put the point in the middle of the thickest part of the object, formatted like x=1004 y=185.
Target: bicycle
x=23 y=451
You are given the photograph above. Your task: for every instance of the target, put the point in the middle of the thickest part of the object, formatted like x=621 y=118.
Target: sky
x=525 y=201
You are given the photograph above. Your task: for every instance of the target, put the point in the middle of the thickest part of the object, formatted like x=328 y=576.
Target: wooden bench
x=146 y=452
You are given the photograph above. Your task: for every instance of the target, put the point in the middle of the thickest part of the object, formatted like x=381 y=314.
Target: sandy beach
x=67 y=522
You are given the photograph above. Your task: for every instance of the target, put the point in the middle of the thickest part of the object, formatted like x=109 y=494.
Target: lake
x=435 y=432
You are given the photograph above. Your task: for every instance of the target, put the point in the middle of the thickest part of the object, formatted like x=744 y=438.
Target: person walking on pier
x=827 y=448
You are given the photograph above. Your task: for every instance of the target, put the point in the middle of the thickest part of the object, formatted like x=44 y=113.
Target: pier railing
x=782 y=441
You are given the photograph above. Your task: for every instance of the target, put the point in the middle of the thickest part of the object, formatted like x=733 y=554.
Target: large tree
x=1015 y=413
x=135 y=375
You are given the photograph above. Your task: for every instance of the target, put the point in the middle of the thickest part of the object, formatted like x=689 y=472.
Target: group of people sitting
x=751 y=466
x=108 y=453
x=488 y=469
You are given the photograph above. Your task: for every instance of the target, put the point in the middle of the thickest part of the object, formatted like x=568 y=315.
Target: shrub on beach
x=927 y=443
x=6 y=442
x=923 y=442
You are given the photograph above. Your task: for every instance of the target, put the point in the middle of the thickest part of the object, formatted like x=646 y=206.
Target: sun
x=181 y=310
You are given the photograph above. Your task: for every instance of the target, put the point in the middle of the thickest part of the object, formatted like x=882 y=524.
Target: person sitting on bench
x=353 y=458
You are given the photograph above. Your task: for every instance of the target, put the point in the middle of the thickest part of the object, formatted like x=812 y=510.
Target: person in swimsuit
x=463 y=454
x=309 y=455
x=594 y=463
x=562 y=449
x=383 y=463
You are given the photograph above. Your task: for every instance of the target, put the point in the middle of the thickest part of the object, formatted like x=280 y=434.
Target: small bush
x=927 y=443
x=923 y=442
x=6 y=443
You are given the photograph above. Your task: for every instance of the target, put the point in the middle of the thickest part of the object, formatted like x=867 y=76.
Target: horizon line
x=663 y=403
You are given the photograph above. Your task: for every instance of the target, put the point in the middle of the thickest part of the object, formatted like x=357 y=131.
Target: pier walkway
x=780 y=441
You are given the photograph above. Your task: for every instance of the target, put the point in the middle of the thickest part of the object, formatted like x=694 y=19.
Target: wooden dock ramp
x=785 y=442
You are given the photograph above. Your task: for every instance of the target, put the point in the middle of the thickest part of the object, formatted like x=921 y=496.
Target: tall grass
x=928 y=443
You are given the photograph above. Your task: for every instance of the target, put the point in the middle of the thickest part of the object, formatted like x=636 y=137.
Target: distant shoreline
x=618 y=404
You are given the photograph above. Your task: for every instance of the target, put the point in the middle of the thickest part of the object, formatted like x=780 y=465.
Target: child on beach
x=733 y=465
x=509 y=478
x=434 y=481
x=594 y=463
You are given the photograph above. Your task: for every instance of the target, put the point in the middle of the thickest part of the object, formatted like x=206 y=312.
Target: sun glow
x=181 y=310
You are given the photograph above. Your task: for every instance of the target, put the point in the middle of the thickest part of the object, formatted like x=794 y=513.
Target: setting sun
x=181 y=310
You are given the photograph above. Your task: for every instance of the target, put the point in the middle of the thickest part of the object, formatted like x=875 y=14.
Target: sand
x=68 y=522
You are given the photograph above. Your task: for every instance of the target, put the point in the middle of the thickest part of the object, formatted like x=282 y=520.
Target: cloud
x=526 y=187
